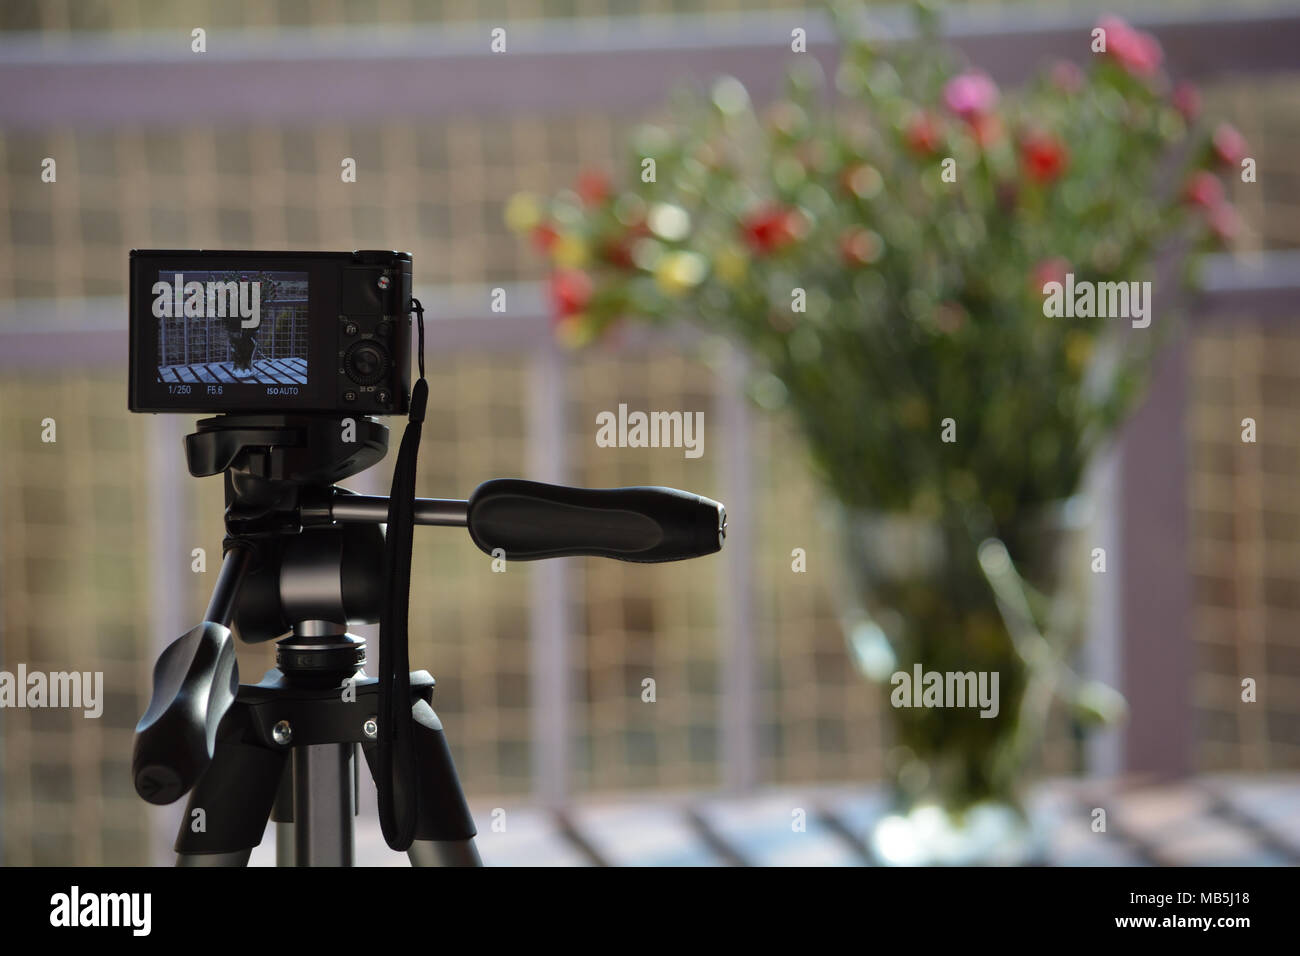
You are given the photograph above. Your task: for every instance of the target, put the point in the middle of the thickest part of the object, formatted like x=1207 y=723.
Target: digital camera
x=270 y=332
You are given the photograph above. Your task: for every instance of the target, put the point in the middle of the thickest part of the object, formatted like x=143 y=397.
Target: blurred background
x=759 y=707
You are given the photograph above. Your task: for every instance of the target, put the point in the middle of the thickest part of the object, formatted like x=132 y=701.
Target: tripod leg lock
x=194 y=684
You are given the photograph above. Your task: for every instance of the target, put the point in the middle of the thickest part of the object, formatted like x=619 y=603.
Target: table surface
x=1203 y=821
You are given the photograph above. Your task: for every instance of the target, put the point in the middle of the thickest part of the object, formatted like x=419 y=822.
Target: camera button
x=349 y=396
x=366 y=362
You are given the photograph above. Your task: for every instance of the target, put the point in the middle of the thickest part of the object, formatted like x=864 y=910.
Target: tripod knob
x=528 y=520
x=194 y=684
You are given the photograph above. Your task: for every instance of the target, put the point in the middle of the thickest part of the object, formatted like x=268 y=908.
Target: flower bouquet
x=906 y=261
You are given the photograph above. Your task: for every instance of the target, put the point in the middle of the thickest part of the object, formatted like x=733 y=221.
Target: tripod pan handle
x=194 y=684
x=527 y=520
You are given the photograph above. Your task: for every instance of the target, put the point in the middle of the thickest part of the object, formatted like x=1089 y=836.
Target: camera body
x=270 y=332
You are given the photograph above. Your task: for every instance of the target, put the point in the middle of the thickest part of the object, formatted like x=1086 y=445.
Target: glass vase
x=970 y=633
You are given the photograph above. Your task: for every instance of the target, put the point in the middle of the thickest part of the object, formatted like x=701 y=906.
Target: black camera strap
x=398 y=782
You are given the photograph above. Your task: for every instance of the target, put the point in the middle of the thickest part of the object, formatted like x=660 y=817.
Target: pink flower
x=1138 y=53
x=1186 y=98
x=1203 y=189
x=1224 y=221
x=971 y=95
x=1229 y=145
x=1050 y=270
x=1067 y=77
x=860 y=247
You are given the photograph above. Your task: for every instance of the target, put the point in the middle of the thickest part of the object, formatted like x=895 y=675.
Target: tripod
x=303 y=561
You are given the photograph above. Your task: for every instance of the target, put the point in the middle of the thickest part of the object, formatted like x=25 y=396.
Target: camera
x=270 y=332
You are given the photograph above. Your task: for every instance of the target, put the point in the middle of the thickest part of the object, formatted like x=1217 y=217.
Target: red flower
x=593 y=187
x=1203 y=189
x=1050 y=270
x=1043 y=157
x=771 y=228
x=921 y=135
x=618 y=251
x=570 y=292
x=1223 y=221
x=1138 y=53
x=1186 y=98
x=1229 y=145
x=544 y=236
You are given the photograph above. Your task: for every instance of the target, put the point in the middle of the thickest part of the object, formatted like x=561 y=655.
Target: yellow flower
x=730 y=264
x=523 y=212
x=569 y=251
x=679 y=272
x=1078 y=349
x=913 y=412
x=573 y=331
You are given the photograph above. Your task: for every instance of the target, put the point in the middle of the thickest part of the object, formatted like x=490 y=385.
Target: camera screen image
x=269 y=332
x=226 y=327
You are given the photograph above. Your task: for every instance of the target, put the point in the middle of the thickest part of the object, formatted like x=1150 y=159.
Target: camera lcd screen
x=232 y=327
x=252 y=331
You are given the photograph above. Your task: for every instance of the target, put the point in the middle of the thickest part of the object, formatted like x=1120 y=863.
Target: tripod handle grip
x=527 y=520
x=194 y=684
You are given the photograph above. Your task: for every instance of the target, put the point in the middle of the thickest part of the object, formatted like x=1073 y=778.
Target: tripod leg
x=444 y=853
x=233 y=858
x=229 y=806
x=444 y=830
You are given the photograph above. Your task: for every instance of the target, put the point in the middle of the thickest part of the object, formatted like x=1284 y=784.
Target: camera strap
x=397 y=781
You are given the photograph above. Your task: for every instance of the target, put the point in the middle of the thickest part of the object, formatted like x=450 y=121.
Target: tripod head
x=307 y=558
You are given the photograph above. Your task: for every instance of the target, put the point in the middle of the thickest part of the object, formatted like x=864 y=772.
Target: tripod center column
x=324 y=803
